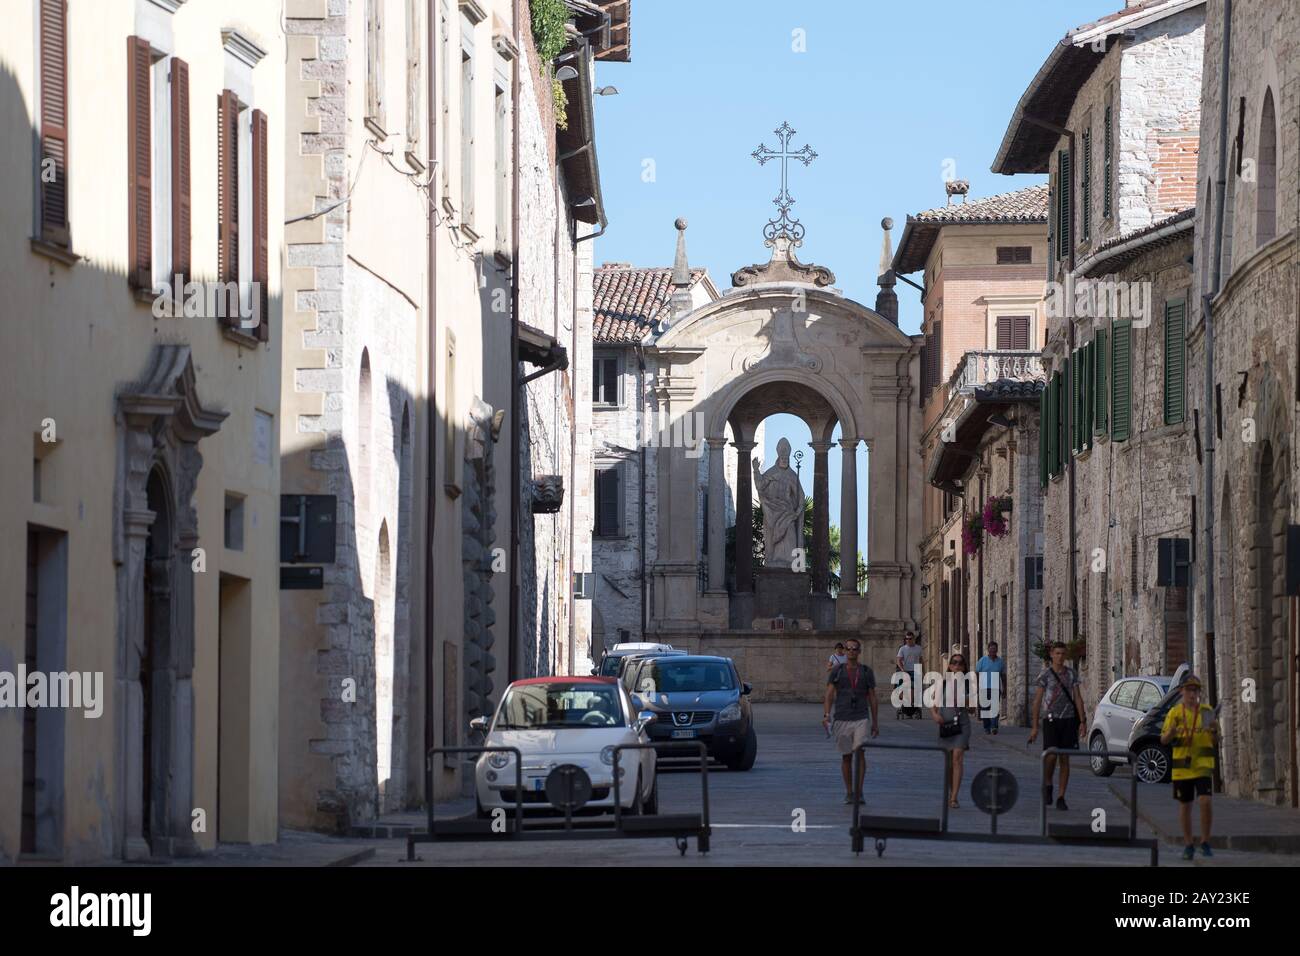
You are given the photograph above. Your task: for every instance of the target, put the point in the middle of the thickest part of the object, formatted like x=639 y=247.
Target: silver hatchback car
x=1122 y=706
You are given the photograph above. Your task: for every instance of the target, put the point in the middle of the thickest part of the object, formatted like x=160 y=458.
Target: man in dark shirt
x=851 y=688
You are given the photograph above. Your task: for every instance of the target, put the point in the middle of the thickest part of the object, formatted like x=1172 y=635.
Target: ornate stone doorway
x=160 y=421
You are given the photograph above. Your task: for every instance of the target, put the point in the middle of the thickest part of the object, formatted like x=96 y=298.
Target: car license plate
x=684 y=734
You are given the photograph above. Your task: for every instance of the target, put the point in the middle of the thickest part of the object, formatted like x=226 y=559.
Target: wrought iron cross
x=784 y=225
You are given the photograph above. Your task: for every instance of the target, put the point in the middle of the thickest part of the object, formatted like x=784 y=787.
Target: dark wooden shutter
x=1108 y=152
x=1102 y=393
x=936 y=360
x=925 y=373
x=607 y=502
x=1042 y=443
x=1005 y=336
x=228 y=191
x=139 y=164
x=1073 y=414
x=1121 y=371
x=180 y=103
x=1063 y=210
x=1020 y=332
x=54 y=122
x=1085 y=205
x=261 y=252
x=1175 y=362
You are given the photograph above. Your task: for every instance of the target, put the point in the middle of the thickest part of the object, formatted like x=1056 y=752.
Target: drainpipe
x=1207 y=310
x=640 y=389
x=431 y=494
x=515 y=404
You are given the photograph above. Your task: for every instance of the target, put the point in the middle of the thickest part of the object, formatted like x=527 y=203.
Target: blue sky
x=886 y=93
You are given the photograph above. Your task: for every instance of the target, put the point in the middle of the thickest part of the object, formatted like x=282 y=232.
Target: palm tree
x=757 y=525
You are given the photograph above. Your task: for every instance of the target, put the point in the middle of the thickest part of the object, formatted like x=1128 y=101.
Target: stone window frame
x=997 y=306
x=618 y=466
x=620 y=401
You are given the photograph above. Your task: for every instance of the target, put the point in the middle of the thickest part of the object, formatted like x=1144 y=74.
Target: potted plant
x=994 y=515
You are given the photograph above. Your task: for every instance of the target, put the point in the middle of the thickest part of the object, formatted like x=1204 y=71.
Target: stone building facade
x=984 y=321
x=628 y=305
x=1246 y=643
x=141 y=489
x=438 y=205
x=1112 y=117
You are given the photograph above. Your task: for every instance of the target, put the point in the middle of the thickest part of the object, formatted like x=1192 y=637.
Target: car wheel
x=1101 y=766
x=636 y=808
x=1151 y=763
x=651 y=806
x=745 y=761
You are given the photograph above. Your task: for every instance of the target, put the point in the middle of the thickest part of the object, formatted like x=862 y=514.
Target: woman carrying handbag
x=954 y=721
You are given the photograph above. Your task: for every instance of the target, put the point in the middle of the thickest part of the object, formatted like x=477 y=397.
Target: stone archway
x=160 y=421
x=784 y=340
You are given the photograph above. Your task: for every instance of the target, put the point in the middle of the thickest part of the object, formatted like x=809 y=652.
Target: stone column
x=849 y=516
x=821 y=543
x=744 y=517
x=741 y=613
x=717 y=514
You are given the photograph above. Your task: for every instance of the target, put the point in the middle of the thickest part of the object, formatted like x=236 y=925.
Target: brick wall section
x=1175 y=171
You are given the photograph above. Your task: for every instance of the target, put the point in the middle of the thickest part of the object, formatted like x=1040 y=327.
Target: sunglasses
x=853 y=647
x=957 y=660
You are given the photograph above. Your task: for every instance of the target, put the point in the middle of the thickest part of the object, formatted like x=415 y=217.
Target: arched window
x=1266 y=186
x=364 y=415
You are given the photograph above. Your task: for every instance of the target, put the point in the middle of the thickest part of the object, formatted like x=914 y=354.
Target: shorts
x=1185 y=791
x=850 y=734
x=1062 y=732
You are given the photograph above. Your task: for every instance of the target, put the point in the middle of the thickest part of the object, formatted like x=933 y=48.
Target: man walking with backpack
x=1060 y=704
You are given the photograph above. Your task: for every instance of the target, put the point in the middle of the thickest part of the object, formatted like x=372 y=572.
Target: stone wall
x=1256 y=483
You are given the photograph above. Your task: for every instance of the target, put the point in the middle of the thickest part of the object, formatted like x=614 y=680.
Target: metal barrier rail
x=918 y=829
x=1077 y=752
x=679 y=826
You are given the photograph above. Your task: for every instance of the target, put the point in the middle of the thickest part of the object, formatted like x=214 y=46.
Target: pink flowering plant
x=994 y=516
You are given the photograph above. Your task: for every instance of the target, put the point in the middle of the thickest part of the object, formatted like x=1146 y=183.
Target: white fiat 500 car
x=562 y=722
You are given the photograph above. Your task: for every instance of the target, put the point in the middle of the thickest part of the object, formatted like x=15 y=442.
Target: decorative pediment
x=784 y=266
x=168 y=389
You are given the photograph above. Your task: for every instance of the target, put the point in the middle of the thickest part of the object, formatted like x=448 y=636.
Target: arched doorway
x=383 y=605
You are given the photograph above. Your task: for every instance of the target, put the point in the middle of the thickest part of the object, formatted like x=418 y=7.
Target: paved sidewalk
x=1239 y=824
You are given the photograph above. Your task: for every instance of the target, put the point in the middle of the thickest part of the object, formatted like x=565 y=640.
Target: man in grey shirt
x=851 y=687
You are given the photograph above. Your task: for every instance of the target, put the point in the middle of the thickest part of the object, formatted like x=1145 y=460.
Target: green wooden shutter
x=1042 y=438
x=1108 y=153
x=1089 y=385
x=1085 y=208
x=1175 y=362
x=1121 y=373
x=1074 y=400
x=1063 y=222
x=1102 y=387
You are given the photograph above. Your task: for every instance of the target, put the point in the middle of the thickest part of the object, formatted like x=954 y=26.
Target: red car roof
x=564 y=680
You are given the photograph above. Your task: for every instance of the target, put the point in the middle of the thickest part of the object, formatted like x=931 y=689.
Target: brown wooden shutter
x=228 y=192
x=180 y=102
x=54 y=122
x=1020 y=332
x=261 y=252
x=1004 y=332
x=139 y=164
x=936 y=360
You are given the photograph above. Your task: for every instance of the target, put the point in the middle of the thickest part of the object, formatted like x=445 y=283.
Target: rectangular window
x=161 y=132
x=375 y=68
x=1014 y=255
x=1085 y=200
x=259 y=247
x=605 y=387
x=1013 y=332
x=467 y=136
x=52 y=177
x=1175 y=399
x=45 y=650
x=501 y=141
x=1063 y=210
x=227 y=189
x=180 y=168
x=140 y=161
x=1101 y=388
x=413 y=81
x=1042 y=437
x=609 y=501
x=444 y=87
x=1121 y=373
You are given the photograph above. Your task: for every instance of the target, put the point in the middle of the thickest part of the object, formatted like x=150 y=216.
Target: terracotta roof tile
x=1023 y=205
x=628 y=302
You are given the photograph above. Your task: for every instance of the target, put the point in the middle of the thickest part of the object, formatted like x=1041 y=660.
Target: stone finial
x=681 y=270
x=957 y=187
x=887 y=298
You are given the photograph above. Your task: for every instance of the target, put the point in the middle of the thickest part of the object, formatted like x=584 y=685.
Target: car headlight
x=498 y=761
x=607 y=755
x=730 y=713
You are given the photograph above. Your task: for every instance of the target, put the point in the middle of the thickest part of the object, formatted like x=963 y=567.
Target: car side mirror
x=479 y=724
x=645 y=719
x=745 y=689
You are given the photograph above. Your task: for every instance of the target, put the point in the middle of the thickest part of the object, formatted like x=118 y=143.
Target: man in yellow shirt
x=1193 y=729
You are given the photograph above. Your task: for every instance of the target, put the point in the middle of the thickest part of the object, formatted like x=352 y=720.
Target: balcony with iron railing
x=979 y=368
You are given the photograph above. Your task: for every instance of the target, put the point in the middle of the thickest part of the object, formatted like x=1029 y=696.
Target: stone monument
x=782 y=584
